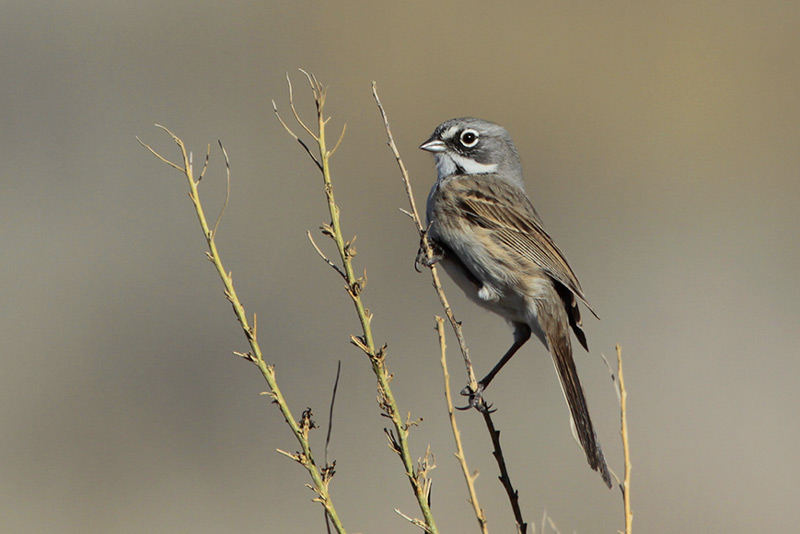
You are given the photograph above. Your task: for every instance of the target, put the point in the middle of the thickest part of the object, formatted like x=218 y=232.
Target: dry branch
x=354 y=285
x=320 y=478
x=425 y=248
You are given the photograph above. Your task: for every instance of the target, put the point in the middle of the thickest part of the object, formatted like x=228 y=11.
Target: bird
x=490 y=240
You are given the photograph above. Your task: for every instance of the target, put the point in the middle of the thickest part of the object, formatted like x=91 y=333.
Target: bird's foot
x=437 y=254
x=475 y=398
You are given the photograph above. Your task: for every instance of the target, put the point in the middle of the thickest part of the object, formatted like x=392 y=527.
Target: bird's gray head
x=474 y=146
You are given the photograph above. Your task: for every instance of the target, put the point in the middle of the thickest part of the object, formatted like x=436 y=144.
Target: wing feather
x=508 y=212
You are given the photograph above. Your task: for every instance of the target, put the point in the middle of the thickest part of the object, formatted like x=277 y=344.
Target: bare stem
x=469 y=477
x=300 y=429
x=398 y=436
x=456 y=325
x=505 y=477
x=426 y=246
x=623 y=407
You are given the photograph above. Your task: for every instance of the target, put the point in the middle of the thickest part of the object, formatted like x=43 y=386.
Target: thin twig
x=227 y=184
x=505 y=479
x=414 y=521
x=159 y=156
x=296 y=138
x=456 y=325
x=403 y=171
x=339 y=142
x=551 y=523
x=623 y=407
x=294 y=109
x=205 y=164
x=622 y=396
x=299 y=429
x=324 y=257
x=330 y=414
x=399 y=435
x=469 y=477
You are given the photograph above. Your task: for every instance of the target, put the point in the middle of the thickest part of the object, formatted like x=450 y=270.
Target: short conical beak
x=433 y=145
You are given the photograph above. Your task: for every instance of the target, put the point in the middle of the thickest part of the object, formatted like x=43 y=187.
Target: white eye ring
x=469 y=138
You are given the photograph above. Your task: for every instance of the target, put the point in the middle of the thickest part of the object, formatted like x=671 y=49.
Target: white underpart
x=447 y=163
x=445 y=166
x=489 y=293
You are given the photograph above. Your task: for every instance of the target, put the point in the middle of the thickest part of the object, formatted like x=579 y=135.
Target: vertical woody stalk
x=469 y=477
x=354 y=285
x=623 y=410
x=320 y=477
x=425 y=247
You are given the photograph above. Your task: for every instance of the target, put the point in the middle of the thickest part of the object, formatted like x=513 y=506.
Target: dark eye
x=469 y=138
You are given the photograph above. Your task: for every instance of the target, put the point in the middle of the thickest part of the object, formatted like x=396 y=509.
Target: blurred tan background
x=661 y=144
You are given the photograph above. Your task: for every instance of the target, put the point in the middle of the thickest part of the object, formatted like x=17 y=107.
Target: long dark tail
x=556 y=330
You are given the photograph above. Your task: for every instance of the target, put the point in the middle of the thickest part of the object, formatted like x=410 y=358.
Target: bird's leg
x=422 y=254
x=522 y=333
